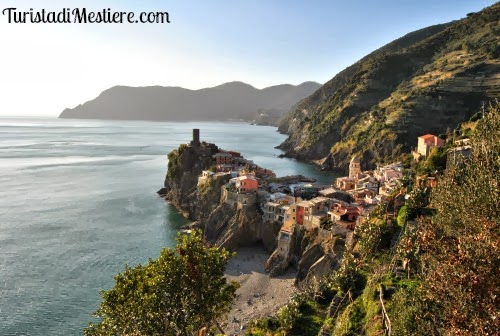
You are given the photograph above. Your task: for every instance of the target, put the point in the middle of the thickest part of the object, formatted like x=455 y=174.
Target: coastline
x=259 y=294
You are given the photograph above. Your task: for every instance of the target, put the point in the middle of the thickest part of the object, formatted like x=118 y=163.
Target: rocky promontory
x=230 y=205
x=200 y=199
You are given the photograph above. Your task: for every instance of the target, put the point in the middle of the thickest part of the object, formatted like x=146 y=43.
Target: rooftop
x=318 y=199
x=328 y=191
x=304 y=203
x=427 y=136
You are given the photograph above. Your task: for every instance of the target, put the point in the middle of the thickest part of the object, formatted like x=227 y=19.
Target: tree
x=460 y=292
x=402 y=216
x=437 y=159
x=177 y=294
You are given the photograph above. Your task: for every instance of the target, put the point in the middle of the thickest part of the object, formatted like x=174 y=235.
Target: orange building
x=345 y=183
x=302 y=210
x=427 y=142
x=245 y=184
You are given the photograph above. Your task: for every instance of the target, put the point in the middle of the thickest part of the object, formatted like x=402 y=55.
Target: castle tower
x=196 y=137
x=354 y=167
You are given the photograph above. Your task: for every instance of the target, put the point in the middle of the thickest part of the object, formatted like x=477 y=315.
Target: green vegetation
x=436 y=161
x=177 y=294
x=459 y=292
x=206 y=186
x=438 y=270
x=174 y=160
x=301 y=316
x=424 y=82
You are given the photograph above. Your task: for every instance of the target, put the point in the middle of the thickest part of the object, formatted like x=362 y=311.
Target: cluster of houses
x=330 y=207
x=340 y=206
x=370 y=187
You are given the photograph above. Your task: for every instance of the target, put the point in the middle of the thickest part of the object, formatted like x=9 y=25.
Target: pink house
x=427 y=142
x=246 y=184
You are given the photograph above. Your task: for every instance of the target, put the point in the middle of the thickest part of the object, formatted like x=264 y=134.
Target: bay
x=78 y=202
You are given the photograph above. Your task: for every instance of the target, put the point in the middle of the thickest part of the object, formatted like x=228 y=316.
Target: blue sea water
x=78 y=202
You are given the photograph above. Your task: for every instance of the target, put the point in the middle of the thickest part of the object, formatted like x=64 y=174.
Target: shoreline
x=259 y=295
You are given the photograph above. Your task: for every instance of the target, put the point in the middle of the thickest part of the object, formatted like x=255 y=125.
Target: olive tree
x=177 y=294
x=460 y=261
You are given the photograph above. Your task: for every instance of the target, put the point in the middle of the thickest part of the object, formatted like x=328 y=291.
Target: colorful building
x=246 y=184
x=344 y=212
x=427 y=142
x=223 y=158
x=345 y=183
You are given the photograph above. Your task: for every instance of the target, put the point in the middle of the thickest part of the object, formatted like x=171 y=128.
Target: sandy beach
x=259 y=295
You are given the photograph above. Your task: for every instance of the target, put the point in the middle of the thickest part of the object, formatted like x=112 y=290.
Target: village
x=293 y=201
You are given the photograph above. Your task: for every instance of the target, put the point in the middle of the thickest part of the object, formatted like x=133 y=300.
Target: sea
x=78 y=202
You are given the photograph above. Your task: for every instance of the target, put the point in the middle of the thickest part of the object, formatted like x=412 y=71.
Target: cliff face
x=315 y=253
x=223 y=224
x=184 y=166
x=425 y=82
x=232 y=227
x=232 y=224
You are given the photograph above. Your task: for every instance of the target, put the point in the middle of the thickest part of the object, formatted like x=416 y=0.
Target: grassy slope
x=425 y=82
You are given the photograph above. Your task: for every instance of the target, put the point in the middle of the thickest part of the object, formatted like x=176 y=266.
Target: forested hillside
x=425 y=82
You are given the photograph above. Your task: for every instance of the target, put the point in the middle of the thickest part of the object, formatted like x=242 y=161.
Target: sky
x=48 y=67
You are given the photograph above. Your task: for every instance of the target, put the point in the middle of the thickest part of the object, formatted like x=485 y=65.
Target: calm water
x=77 y=202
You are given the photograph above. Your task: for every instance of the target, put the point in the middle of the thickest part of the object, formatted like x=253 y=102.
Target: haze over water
x=78 y=201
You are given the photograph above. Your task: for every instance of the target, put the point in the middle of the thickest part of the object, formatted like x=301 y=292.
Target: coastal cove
x=78 y=202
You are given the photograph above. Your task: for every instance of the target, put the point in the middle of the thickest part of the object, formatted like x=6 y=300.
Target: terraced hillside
x=428 y=81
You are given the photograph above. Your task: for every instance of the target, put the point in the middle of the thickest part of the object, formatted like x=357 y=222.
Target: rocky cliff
x=223 y=224
x=315 y=253
x=185 y=164
x=425 y=82
x=233 y=225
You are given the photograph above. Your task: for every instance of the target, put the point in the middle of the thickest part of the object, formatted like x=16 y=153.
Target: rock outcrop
x=185 y=165
x=232 y=224
x=314 y=252
x=223 y=224
x=231 y=227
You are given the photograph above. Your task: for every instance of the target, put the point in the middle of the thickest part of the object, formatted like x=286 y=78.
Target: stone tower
x=196 y=137
x=354 y=167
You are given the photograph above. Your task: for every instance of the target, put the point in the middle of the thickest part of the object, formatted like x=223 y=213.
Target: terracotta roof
x=427 y=136
x=285 y=229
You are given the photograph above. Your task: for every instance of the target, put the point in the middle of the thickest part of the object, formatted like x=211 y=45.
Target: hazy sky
x=47 y=67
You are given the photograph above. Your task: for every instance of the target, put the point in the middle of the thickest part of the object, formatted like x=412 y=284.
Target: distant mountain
x=427 y=81
x=234 y=100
